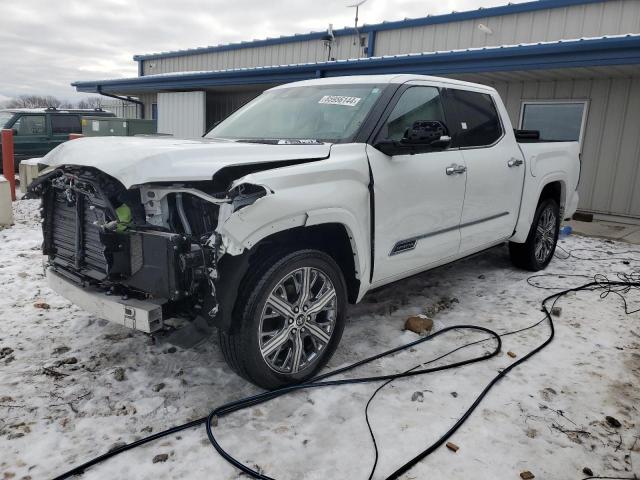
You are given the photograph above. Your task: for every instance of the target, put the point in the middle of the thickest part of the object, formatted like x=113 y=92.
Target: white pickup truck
x=300 y=202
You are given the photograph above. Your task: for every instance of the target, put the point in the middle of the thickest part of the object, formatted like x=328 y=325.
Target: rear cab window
x=476 y=122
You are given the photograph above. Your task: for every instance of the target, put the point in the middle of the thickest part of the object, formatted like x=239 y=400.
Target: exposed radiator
x=75 y=239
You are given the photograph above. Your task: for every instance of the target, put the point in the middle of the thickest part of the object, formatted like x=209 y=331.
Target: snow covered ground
x=72 y=386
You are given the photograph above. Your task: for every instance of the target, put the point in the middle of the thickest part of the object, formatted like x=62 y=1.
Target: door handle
x=514 y=162
x=455 y=169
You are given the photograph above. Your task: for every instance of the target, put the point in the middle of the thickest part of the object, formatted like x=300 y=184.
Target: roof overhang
x=587 y=52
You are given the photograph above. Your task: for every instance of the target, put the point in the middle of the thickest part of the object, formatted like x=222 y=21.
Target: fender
x=236 y=238
x=305 y=195
x=359 y=240
x=530 y=197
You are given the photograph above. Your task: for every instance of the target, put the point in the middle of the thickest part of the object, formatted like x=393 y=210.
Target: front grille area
x=87 y=243
x=75 y=238
x=73 y=212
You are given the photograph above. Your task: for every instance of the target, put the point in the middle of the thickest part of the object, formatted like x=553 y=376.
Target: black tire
x=241 y=343
x=523 y=255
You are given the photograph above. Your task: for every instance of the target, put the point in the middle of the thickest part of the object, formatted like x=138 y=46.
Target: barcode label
x=340 y=100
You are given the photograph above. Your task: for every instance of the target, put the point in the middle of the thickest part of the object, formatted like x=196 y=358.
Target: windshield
x=315 y=113
x=5 y=117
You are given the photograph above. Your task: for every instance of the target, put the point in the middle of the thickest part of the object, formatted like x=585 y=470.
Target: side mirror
x=525 y=136
x=443 y=142
x=423 y=136
x=431 y=133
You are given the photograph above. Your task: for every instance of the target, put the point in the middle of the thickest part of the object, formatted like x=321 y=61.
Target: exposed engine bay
x=152 y=242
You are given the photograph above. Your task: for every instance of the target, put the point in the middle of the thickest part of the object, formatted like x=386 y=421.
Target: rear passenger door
x=495 y=169
x=61 y=126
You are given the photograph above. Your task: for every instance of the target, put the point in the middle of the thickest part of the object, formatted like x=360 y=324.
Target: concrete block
x=6 y=207
x=28 y=172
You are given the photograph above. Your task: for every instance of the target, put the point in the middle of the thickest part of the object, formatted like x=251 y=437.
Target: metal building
x=570 y=68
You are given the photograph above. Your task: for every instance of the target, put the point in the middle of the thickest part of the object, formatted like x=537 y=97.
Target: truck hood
x=139 y=160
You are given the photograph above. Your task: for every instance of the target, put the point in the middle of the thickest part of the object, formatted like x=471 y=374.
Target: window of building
x=415 y=104
x=477 y=123
x=557 y=121
x=30 y=125
x=65 y=124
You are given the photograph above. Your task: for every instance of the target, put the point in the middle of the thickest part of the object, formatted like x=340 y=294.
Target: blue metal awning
x=586 y=52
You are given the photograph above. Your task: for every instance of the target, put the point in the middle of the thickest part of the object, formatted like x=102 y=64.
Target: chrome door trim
x=409 y=244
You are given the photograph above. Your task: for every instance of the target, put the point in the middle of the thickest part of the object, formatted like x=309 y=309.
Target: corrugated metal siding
x=610 y=178
x=123 y=109
x=282 y=54
x=182 y=114
x=590 y=20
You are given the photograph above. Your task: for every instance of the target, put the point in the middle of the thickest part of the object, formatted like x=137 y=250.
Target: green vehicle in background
x=37 y=131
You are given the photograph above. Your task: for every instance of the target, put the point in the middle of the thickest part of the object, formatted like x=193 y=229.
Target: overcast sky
x=45 y=45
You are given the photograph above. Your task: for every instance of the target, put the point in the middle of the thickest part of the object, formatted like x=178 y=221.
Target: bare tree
x=91 y=102
x=33 y=101
x=43 y=101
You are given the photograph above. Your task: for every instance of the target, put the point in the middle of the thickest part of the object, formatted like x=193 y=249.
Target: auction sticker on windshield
x=340 y=100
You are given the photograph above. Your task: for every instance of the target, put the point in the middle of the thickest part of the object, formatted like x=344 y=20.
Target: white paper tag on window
x=95 y=126
x=463 y=125
x=340 y=100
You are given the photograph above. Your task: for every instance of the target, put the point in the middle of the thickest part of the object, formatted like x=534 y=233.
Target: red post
x=73 y=136
x=8 y=167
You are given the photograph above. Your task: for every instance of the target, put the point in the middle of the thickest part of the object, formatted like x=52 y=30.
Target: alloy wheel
x=297 y=320
x=545 y=235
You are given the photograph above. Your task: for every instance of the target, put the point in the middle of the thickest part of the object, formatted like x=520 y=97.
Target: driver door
x=418 y=197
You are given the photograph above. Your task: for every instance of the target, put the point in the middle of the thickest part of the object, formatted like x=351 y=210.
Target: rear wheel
x=289 y=319
x=536 y=253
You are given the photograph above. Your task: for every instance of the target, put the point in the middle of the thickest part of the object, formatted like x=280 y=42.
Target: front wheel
x=288 y=319
x=536 y=253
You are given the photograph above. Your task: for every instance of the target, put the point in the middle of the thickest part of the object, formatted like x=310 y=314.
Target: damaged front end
x=139 y=256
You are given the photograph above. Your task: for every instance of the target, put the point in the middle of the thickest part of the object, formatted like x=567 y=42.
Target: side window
x=477 y=120
x=65 y=124
x=415 y=104
x=30 y=125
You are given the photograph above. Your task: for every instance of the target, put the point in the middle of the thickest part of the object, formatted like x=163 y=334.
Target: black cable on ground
x=313 y=383
x=600 y=282
x=619 y=287
x=612 y=478
x=600 y=255
x=321 y=382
